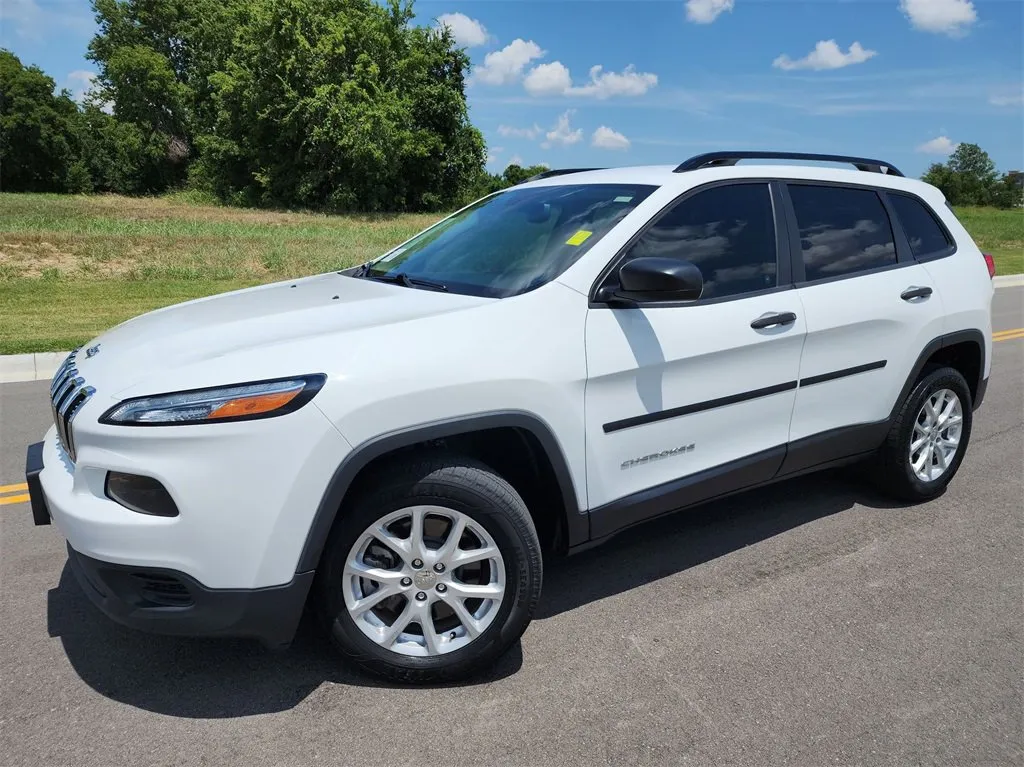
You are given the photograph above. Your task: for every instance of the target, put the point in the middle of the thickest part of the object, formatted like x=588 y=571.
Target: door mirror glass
x=659 y=279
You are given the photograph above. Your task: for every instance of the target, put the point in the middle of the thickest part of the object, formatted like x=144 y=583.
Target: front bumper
x=168 y=602
x=33 y=468
x=246 y=494
x=165 y=601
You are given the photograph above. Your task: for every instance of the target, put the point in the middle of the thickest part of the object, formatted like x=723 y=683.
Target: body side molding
x=677 y=494
x=733 y=399
x=836 y=374
x=835 y=447
x=697 y=407
x=577 y=524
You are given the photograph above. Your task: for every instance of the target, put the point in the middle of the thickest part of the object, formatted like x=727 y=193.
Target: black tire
x=458 y=483
x=892 y=471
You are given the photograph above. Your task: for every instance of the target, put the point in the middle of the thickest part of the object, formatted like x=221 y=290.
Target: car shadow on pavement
x=679 y=541
x=222 y=678
x=202 y=678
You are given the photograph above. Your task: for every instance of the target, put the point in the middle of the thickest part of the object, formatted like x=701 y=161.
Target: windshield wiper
x=403 y=279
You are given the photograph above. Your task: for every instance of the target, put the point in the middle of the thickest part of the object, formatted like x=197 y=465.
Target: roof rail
x=719 y=159
x=559 y=172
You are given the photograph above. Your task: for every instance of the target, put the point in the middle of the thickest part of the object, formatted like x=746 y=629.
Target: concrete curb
x=1008 y=280
x=15 y=368
x=30 y=367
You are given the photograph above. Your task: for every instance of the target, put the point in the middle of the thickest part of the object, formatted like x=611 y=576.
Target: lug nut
x=417 y=563
x=439 y=568
x=420 y=596
x=441 y=588
x=406 y=581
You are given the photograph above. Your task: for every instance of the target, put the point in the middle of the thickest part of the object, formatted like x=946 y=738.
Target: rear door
x=677 y=391
x=870 y=309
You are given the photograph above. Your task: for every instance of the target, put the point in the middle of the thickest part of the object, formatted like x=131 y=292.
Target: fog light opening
x=144 y=495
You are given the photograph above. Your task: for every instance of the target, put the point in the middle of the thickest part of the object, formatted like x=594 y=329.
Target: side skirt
x=820 y=451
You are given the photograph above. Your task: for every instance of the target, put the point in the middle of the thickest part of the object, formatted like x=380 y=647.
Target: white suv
x=396 y=444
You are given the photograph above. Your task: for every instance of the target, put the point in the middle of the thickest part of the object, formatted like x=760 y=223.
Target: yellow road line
x=14 y=499
x=1011 y=331
x=12 y=488
x=1009 y=336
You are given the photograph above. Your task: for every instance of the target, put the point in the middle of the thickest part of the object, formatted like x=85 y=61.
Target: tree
x=155 y=61
x=319 y=103
x=515 y=174
x=970 y=178
x=120 y=157
x=39 y=136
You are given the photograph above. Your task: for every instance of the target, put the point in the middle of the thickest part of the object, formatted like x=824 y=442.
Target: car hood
x=259 y=317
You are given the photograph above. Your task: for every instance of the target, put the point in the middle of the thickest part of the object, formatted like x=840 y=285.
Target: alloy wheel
x=936 y=435
x=424 y=581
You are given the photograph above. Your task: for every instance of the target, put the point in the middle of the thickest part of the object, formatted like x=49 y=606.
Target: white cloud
x=507 y=65
x=563 y=134
x=1007 y=99
x=939 y=145
x=467 y=32
x=628 y=82
x=554 y=79
x=826 y=55
x=79 y=83
x=706 y=11
x=515 y=160
x=512 y=132
x=948 y=17
x=548 y=80
x=605 y=138
x=492 y=153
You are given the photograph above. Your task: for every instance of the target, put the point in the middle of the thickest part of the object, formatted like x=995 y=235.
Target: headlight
x=241 y=402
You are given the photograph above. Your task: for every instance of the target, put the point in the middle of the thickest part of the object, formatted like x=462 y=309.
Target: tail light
x=991 y=264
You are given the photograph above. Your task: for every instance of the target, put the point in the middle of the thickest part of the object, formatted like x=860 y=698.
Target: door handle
x=915 y=292
x=772 y=319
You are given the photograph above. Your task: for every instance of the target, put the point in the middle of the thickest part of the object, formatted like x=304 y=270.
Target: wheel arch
x=574 y=524
x=963 y=350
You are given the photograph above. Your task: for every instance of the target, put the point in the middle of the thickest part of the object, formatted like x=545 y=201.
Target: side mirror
x=652 y=279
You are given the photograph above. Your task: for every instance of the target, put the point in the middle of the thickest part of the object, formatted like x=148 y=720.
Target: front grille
x=68 y=393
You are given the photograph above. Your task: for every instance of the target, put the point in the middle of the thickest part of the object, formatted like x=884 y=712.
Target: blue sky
x=901 y=80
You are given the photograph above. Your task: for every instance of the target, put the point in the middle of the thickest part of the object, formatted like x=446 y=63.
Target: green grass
x=998 y=232
x=73 y=266
x=54 y=315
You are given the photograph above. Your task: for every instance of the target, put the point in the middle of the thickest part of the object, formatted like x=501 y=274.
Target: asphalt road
x=810 y=623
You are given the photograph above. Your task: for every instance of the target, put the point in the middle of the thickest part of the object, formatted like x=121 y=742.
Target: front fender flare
x=576 y=520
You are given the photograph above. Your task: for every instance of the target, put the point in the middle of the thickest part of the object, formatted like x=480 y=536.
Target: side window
x=922 y=230
x=727 y=231
x=842 y=231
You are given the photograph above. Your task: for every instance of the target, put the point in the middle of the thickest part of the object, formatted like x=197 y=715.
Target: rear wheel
x=928 y=438
x=432 y=572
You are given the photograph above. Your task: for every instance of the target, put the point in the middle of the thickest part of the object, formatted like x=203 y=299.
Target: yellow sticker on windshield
x=579 y=238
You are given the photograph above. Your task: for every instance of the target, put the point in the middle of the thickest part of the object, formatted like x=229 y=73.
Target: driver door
x=687 y=400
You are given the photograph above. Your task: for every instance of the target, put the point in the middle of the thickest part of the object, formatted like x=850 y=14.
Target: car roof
x=666 y=176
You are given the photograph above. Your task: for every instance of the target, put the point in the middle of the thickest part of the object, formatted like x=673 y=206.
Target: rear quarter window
x=924 y=233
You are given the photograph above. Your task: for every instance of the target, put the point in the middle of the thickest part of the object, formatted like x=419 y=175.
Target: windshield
x=511 y=242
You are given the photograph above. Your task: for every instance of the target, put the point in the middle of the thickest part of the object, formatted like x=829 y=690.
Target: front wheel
x=928 y=437
x=432 y=572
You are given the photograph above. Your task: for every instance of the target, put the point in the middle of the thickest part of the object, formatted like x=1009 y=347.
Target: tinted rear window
x=925 y=234
x=842 y=231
